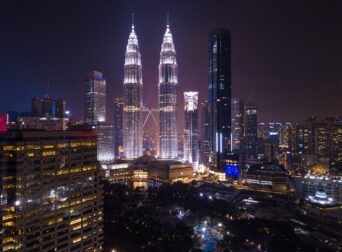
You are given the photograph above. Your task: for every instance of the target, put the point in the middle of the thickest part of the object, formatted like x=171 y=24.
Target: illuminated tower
x=191 y=134
x=219 y=96
x=167 y=98
x=95 y=98
x=237 y=124
x=132 y=99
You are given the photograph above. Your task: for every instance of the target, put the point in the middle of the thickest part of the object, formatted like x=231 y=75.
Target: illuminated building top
x=132 y=98
x=191 y=101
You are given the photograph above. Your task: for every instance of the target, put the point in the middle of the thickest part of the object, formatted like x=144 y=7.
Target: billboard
x=3 y=122
x=232 y=171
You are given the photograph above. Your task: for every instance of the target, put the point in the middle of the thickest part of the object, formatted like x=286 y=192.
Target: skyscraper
x=95 y=98
x=51 y=192
x=105 y=141
x=237 y=124
x=191 y=134
x=205 y=151
x=251 y=131
x=118 y=125
x=47 y=106
x=336 y=148
x=219 y=95
x=167 y=98
x=132 y=99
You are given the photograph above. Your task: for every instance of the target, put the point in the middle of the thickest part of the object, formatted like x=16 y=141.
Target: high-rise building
x=132 y=99
x=191 y=134
x=95 y=98
x=251 y=125
x=167 y=98
x=51 y=193
x=47 y=106
x=105 y=141
x=237 y=125
x=118 y=125
x=336 y=149
x=219 y=95
x=285 y=135
x=205 y=150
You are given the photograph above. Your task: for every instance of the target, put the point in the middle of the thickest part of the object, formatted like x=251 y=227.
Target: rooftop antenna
x=167 y=19
x=132 y=20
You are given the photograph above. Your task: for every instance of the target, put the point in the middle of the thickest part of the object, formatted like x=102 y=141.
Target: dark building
x=118 y=125
x=251 y=131
x=205 y=149
x=267 y=176
x=219 y=95
x=47 y=106
x=237 y=125
x=51 y=194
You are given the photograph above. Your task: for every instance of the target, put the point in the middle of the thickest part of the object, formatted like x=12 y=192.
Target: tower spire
x=167 y=19
x=132 y=20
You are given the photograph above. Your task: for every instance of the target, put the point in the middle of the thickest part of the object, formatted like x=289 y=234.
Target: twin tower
x=167 y=99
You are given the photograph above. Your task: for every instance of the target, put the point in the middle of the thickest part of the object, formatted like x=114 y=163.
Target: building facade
x=251 y=134
x=132 y=99
x=95 y=98
x=191 y=133
x=219 y=95
x=47 y=106
x=51 y=196
x=167 y=98
x=118 y=125
x=237 y=125
x=205 y=148
x=105 y=141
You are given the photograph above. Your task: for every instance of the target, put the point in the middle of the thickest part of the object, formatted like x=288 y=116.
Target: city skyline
x=315 y=63
x=200 y=125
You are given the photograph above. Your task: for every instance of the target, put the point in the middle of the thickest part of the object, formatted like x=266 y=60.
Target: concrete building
x=51 y=195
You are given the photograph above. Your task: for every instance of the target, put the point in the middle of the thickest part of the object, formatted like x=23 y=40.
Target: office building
x=118 y=126
x=267 y=176
x=237 y=125
x=336 y=149
x=250 y=128
x=219 y=96
x=48 y=107
x=51 y=194
x=205 y=148
x=132 y=99
x=191 y=133
x=167 y=98
x=95 y=98
x=105 y=141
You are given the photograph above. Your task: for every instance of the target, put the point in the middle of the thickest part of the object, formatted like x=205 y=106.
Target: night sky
x=286 y=55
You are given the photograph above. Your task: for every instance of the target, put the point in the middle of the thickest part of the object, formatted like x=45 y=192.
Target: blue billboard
x=232 y=171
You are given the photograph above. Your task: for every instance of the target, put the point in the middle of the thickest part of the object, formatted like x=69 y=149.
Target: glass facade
x=251 y=131
x=105 y=141
x=237 y=125
x=219 y=95
x=191 y=134
x=132 y=99
x=118 y=125
x=95 y=98
x=167 y=98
